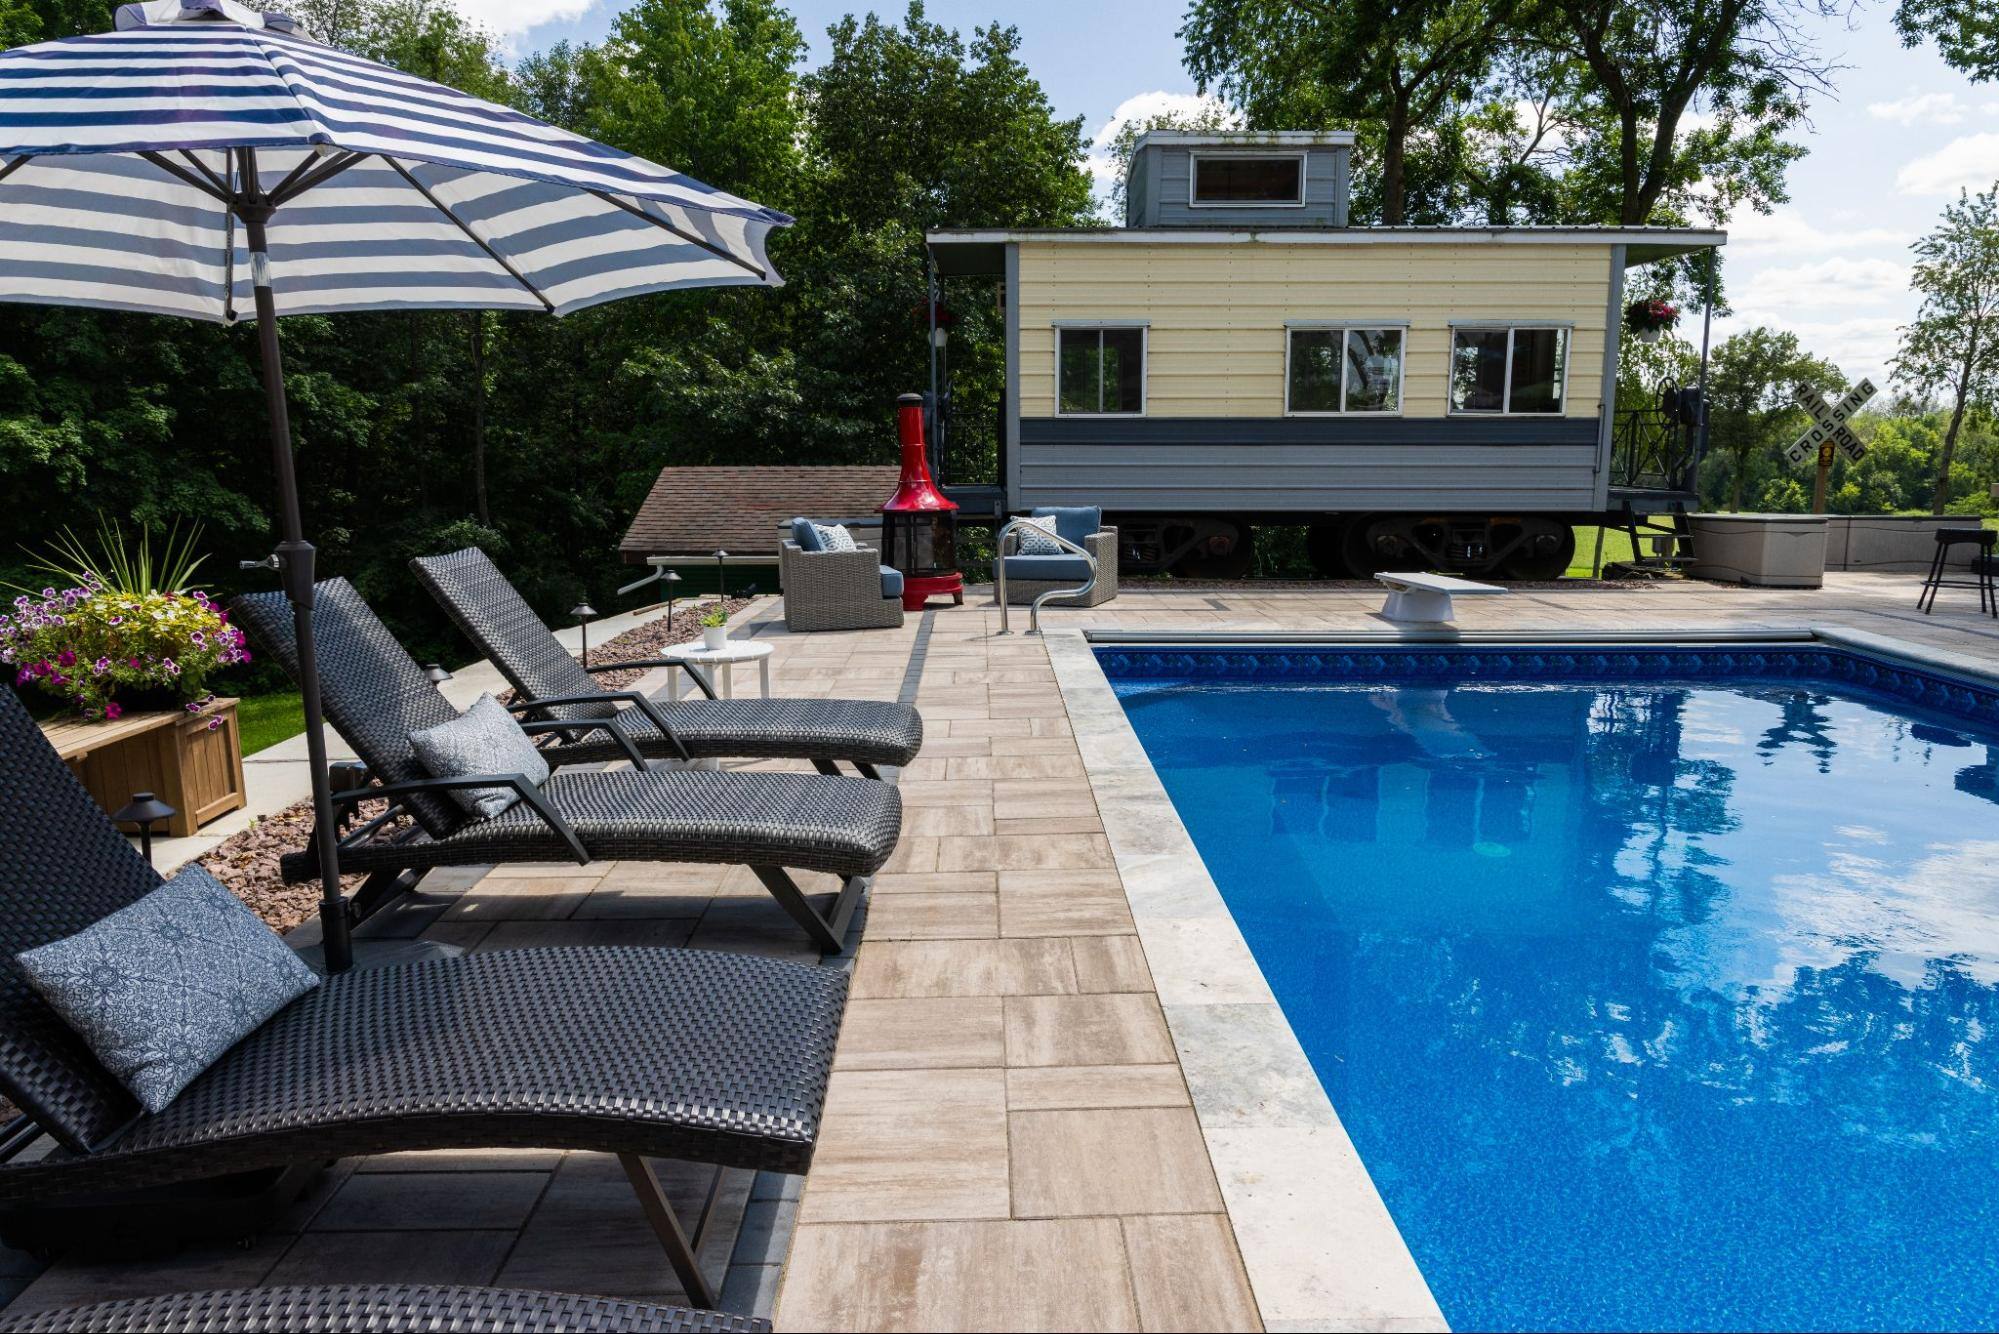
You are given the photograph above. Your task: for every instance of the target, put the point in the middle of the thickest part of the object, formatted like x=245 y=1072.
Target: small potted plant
x=715 y=628
x=1649 y=318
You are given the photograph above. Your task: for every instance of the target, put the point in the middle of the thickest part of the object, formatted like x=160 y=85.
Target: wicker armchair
x=1102 y=545
x=834 y=590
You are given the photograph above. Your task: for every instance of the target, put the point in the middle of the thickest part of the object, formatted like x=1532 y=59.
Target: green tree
x=1966 y=32
x=1953 y=347
x=1756 y=380
x=1653 y=64
x=1400 y=66
x=709 y=89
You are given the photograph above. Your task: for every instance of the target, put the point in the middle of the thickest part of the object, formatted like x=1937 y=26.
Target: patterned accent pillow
x=1037 y=538
x=484 y=739
x=162 y=987
x=835 y=537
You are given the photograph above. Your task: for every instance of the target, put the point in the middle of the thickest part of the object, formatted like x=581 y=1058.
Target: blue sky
x=1902 y=135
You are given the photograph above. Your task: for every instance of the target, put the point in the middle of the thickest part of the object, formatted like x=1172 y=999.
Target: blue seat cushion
x=1068 y=569
x=1073 y=523
x=891 y=582
x=806 y=535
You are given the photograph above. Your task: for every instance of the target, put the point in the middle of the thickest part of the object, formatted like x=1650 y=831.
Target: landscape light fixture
x=584 y=613
x=144 y=810
x=434 y=673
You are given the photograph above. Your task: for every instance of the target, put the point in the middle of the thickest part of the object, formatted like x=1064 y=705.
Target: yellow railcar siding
x=1216 y=313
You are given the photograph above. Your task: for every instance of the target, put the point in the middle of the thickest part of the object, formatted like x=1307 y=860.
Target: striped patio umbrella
x=209 y=160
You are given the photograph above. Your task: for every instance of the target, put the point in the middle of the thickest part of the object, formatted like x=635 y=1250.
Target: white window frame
x=1194 y=158
x=1144 y=328
x=1345 y=326
x=1565 y=328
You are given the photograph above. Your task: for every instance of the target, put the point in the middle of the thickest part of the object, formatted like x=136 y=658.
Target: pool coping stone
x=1319 y=1246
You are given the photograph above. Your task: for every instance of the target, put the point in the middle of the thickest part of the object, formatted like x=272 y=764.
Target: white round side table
x=735 y=651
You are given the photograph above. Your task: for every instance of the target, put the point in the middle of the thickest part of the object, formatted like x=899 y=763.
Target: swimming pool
x=1657 y=988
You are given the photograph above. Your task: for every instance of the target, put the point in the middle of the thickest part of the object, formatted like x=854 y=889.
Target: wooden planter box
x=171 y=754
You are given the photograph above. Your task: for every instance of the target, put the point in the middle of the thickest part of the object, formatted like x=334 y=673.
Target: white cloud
x=1839 y=283
x=1857 y=344
x=1969 y=162
x=1787 y=231
x=1141 y=107
x=509 y=18
x=1920 y=109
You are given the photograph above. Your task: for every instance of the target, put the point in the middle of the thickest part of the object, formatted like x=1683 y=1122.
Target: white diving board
x=1425 y=599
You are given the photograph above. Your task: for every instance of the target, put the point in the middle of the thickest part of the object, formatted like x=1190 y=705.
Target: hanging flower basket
x=1648 y=319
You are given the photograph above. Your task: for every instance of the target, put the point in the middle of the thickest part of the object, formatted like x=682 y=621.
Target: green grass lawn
x=266 y=720
x=1616 y=547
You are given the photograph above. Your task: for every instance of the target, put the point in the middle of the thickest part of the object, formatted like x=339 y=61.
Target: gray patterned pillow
x=484 y=739
x=835 y=537
x=162 y=987
x=1037 y=537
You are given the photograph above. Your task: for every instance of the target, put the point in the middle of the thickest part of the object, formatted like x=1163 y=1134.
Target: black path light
x=144 y=810
x=153 y=168
x=672 y=581
x=584 y=614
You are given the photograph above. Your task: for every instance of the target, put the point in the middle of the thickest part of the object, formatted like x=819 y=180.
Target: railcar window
x=1232 y=178
x=1344 y=370
x=1100 y=370
x=1514 y=370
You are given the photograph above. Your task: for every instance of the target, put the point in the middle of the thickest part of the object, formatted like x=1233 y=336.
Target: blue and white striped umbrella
x=392 y=192
x=207 y=160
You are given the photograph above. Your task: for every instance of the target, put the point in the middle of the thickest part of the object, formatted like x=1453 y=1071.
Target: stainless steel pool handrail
x=1034 y=608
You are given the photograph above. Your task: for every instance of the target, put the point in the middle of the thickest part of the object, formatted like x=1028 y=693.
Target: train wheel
x=1229 y=554
x=1545 y=555
x=1325 y=547
x=1363 y=559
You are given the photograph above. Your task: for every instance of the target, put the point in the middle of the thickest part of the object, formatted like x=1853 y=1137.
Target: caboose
x=1237 y=355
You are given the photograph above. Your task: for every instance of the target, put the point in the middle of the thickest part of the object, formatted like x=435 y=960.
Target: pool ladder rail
x=1034 y=608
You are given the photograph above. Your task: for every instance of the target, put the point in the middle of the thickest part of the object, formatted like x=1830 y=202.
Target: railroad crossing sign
x=1828 y=429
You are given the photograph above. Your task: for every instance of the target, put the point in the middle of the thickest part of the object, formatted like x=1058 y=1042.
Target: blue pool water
x=1648 y=1003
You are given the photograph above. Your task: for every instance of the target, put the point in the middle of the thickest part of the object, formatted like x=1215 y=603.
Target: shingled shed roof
x=695 y=511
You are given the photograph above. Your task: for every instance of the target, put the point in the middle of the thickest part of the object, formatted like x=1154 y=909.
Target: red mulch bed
x=248 y=862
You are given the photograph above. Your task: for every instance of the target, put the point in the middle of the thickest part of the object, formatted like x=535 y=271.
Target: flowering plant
x=1650 y=316
x=92 y=644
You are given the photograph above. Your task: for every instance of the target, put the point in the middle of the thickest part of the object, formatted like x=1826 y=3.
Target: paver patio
x=1009 y=1141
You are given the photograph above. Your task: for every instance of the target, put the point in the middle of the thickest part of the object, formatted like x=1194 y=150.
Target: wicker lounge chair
x=713 y=1058
x=377 y=1309
x=375 y=695
x=501 y=625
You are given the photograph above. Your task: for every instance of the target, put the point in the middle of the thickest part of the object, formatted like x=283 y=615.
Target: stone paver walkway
x=1009 y=1142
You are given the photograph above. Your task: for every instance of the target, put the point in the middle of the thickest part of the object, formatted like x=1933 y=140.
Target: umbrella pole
x=295 y=567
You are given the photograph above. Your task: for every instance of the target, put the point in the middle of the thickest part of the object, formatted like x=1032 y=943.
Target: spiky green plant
x=121 y=565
